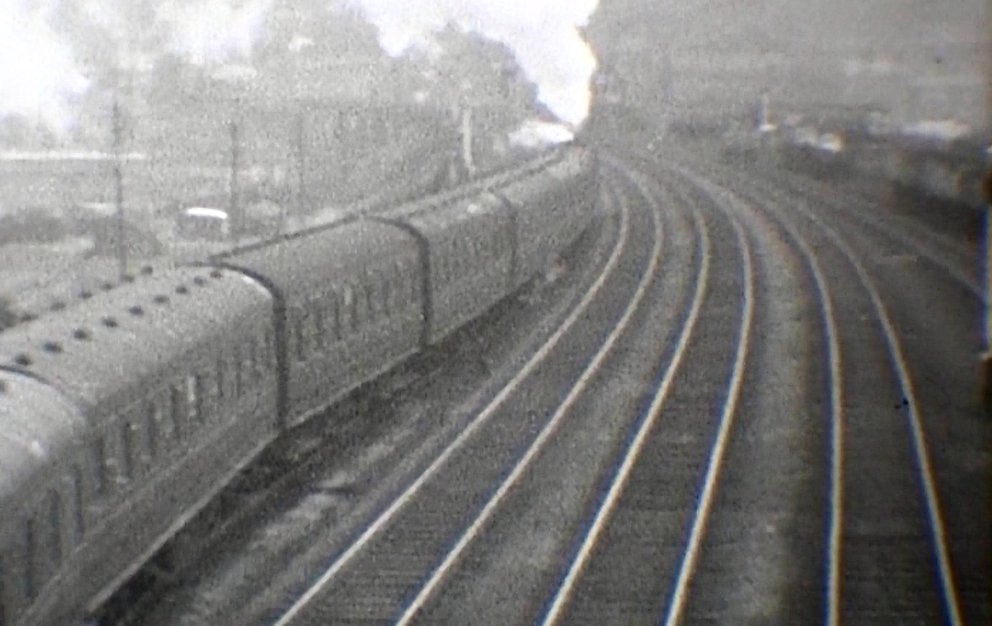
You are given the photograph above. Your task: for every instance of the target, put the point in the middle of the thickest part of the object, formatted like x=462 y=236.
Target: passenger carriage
x=168 y=387
x=551 y=209
x=121 y=416
x=349 y=302
x=468 y=249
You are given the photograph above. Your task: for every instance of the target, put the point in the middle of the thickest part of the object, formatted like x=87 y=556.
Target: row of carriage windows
x=381 y=294
x=352 y=306
x=127 y=449
x=133 y=444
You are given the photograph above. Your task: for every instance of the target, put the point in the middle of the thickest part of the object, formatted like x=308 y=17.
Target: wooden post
x=466 y=133
x=233 y=208
x=301 y=197
x=118 y=130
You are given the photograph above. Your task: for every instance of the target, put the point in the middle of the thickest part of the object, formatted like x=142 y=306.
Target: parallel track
x=308 y=457
x=400 y=547
x=643 y=466
x=888 y=557
x=640 y=547
x=954 y=258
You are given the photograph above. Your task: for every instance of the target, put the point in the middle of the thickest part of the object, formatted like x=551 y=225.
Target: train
x=123 y=416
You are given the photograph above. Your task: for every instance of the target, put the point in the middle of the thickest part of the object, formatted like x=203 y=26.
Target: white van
x=203 y=223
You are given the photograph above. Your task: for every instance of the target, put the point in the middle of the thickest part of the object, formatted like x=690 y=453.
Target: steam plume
x=213 y=30
x=40 y=89
x=544 y=35
x=40 y=77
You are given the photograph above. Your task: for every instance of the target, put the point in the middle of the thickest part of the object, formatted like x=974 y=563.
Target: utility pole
x=300 y=163
x=119 y=127
x=233 y=209
x=118 y=131
x=468 y=163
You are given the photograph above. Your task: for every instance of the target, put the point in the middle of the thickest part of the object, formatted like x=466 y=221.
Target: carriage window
x=258 y=349
x=336 y=315
x=54 y=527
x=257 y=365
x=299 y=337
x=159 y=428
x=30 y=559
x=360 y=307
x=98 y=462
x=347 y=309
x=397 y=292
x=374 y=292
x=382 y=290
x=194 y=398
x=206 y=387
x=442 y=272
x=238 y=374
x=219 y=379
x=388 y=292
x=249 y=363
x=79 y=521
x=318 y=327
x=127 y=450
x=397 y=299
x=308 y=337
x=177 y=412
x=256 y=357
x=409 y=289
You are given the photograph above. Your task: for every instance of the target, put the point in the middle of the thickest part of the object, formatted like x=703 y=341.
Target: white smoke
x=38 y=77
x=544 y=35
x=41 y=76
x=207 y=31
x=535 y=133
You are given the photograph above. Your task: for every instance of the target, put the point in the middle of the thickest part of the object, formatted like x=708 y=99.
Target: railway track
x=400 y=556
x=955 y=258
x=738 y=419
x=342 y=470
x=641 y=541
x=512 y=549
x=890 y=557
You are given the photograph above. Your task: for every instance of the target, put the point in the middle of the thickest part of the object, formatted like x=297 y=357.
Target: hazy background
x=914 y=59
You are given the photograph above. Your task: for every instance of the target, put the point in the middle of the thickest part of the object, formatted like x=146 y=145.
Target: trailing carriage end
x=168 y=391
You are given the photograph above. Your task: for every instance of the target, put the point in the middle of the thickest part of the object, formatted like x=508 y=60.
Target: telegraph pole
x=468 y=164
x=119 y=127
x=233 y=210
x=300 y=162
x=118 y=132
